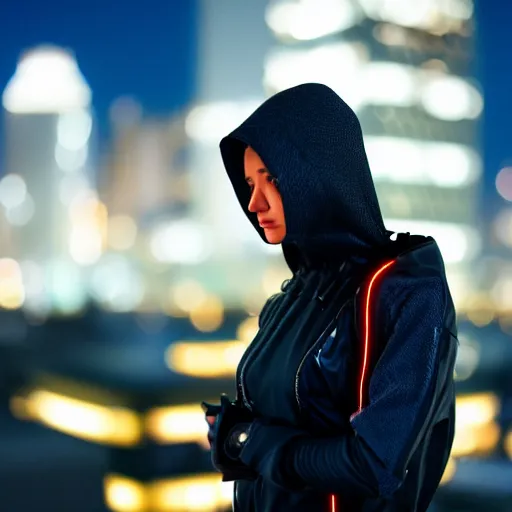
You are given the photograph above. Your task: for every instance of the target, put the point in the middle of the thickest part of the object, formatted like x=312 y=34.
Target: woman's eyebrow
x=263 y=170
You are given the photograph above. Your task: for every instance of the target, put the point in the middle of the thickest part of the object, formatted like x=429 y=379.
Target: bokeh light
x=131 y=280
x=504 y=183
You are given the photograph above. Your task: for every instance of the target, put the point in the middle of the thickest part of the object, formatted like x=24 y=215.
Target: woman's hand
x=228 y=425
x=211 y=413
x=211 y=429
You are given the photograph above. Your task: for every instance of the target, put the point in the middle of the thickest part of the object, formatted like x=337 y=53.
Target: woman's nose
x=258 y=202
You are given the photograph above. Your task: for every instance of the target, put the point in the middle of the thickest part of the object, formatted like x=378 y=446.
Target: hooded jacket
x=349 y=377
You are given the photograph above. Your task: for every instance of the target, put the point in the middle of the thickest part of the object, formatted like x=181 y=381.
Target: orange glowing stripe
x=367 y=333
x=366 y=352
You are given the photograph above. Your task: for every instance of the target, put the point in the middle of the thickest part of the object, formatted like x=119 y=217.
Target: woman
x=345 y=396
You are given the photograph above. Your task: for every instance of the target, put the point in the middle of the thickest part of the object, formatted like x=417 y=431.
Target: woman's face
x=265 y=200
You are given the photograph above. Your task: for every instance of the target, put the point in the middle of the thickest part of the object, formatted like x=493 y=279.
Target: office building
x=48 y=190
x=406 y=69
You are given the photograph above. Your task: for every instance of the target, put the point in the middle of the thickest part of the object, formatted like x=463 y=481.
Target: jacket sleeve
x=372 y=462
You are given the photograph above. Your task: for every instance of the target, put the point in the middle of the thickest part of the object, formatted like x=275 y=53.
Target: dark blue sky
x=147 y=49
x=495 y=73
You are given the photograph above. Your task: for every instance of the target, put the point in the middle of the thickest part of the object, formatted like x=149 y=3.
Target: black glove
x=227 y=437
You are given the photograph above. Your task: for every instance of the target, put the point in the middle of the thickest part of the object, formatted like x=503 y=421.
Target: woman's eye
x=271 y=179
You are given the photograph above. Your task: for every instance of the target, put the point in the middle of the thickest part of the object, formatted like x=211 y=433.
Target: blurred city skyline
x=131 y=280
x=148 y=54
x=161 y=75
x=413 y=78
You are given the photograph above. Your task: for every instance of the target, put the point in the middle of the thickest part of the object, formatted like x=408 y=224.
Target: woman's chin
x=274 y=238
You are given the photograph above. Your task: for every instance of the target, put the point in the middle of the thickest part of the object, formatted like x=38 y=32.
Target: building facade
x=407 y=71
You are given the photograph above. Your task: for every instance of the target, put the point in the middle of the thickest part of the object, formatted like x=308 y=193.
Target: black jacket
x=349 y=378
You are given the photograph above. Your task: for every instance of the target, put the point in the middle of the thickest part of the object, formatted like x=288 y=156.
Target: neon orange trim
x=367 y=332
x=366 y=352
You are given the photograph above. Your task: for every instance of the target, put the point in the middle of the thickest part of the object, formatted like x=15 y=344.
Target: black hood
x=311 y=141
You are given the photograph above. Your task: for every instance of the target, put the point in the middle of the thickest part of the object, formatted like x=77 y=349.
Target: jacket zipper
x=332 y=497
x=240 y=383
x=241 y=388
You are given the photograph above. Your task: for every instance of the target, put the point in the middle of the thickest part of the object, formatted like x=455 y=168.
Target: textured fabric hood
x=311 y=141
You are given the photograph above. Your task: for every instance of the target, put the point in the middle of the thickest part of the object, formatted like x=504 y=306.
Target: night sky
x=145 y=49
x=495 y=74
x=148 y=50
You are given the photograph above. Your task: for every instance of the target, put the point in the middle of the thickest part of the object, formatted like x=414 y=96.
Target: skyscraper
x=48 y=193
x=233 y=42
x=232 y=46
x=147 y=192
x=406 y=69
